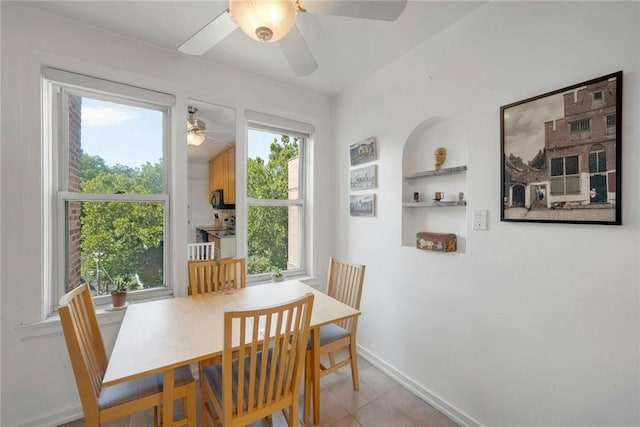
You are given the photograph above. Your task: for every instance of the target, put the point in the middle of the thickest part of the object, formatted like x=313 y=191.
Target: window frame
x=58 y=86
x=279 y=126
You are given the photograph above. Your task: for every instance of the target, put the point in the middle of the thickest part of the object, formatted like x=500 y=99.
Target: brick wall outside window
x=73 y=213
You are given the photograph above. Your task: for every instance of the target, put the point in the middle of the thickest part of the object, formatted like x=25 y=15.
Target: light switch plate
x=479 y=219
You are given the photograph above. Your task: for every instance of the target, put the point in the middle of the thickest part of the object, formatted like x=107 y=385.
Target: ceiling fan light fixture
x=195 y=128
x=194 y=139
x=264 y=20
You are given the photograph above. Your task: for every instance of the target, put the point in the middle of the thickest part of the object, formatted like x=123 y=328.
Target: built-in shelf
x=443 y=171
x=434 y=204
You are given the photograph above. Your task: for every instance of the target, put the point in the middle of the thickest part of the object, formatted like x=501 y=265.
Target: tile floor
x=380 y=402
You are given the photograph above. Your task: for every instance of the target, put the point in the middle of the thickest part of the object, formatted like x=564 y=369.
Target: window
x=110 y=199
x=275 y=199
x=611 y=124
x=580 y=125
x=565 y=175
x=597 y=99
x=597 y=160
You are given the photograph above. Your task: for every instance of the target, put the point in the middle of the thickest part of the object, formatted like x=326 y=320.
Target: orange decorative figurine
x=440 y=156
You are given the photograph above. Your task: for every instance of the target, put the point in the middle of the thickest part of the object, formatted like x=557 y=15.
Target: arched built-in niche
x=419 y=175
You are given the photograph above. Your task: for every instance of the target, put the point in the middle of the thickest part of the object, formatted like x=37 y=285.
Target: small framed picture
x=363 y=178
x=560 y=153
x=362 y=205
x=363 y=151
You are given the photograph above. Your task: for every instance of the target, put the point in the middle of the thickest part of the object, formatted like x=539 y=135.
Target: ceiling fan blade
x=384 y=10
x=297 y=52
x=209 y=36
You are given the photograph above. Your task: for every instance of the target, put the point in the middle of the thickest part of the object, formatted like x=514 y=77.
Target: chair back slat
x=216 y=275
x=268 y=347
x=345 y=281
x=204 y=250
x=233 y=274
x=84 y=342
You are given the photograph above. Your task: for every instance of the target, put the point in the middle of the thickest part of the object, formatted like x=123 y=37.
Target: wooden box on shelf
x=441 y=242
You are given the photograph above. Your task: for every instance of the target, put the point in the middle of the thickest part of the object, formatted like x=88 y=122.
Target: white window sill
x=304 y=278
x=51 y=325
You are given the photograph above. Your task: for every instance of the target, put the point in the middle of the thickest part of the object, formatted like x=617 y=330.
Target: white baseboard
x=433 y=399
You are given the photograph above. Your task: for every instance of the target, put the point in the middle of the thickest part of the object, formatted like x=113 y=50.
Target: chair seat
x=330 y=333
x=141 y=387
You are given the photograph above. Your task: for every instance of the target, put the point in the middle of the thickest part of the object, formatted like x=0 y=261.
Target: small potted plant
x=119 y=294
x=276 y=275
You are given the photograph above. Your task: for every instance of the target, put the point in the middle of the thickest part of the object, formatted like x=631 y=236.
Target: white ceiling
x=346 y=49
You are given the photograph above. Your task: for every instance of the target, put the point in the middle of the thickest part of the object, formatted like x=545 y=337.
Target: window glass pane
x=272 y=165
x=597 y=161
x=108 y=242
x=573 y=185
x=109 y=141
x=268 y=238
x=593 y=162
x=611 y=124
x=571 y=165
x=557 y=167
x=557 y=186
x=602 y=161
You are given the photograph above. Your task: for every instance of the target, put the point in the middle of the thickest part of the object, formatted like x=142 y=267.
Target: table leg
x=167 y=397
x=315 y=373
x=306 y=413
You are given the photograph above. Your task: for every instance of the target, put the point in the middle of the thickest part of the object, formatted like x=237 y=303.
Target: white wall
x=200 y=210
x=37 y=382
x=536 y=324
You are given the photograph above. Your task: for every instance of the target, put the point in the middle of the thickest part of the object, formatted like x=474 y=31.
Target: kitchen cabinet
x=222 y=174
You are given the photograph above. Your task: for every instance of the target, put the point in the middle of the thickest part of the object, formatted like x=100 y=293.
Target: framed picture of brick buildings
x=561 y=155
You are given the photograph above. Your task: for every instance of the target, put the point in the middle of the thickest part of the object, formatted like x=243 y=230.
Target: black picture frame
x=561 y=155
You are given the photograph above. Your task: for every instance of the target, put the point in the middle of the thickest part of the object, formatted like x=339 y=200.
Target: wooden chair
x=89 y=361
x=344 y=283
x=217 y=275
x=200 y=250
x=261 y=367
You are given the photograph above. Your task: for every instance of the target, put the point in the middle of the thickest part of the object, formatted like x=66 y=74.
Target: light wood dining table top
x=160 y=335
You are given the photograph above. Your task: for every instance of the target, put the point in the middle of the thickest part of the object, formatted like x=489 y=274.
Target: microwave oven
x=217 y=200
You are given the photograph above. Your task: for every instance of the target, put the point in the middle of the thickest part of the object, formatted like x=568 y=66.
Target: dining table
x=159 y=336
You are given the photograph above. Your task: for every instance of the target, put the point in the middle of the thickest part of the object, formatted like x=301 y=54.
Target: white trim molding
x=423 y=393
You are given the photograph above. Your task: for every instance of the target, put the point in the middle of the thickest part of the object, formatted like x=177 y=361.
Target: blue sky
x=132 y=136
x=121 y=134
x=259 y=143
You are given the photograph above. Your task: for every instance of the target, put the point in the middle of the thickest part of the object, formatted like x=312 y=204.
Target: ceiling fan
x=270 y=21
x=197 y=129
